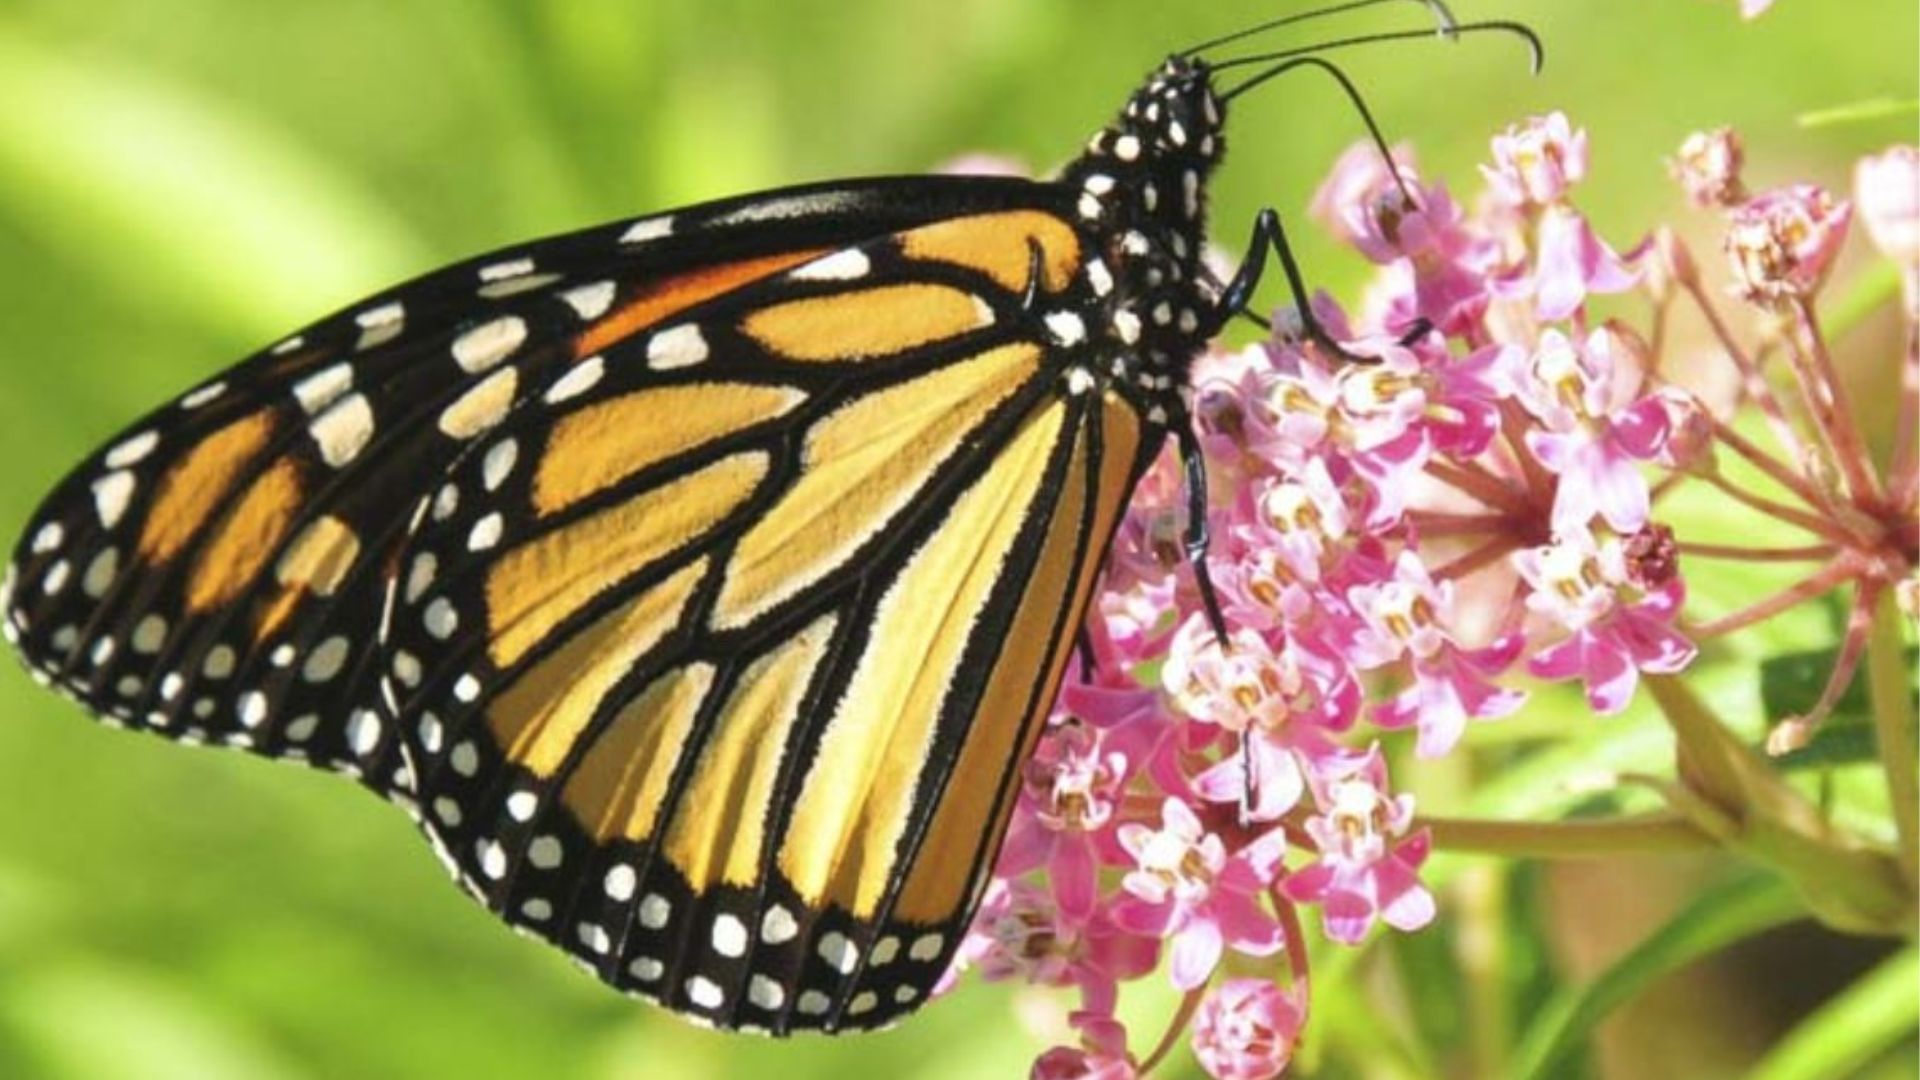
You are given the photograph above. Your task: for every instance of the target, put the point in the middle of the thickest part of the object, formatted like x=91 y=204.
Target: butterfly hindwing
x=720 y=646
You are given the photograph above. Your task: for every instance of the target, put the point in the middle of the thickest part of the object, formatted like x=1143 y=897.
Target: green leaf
x=1848 y=1032
x=1730 y=913
x=1860 y=112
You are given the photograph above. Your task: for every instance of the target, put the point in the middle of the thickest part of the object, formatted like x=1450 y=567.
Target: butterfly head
x=1142 y=195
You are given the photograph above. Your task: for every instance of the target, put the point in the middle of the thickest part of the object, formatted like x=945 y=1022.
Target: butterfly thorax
x=1142 y=197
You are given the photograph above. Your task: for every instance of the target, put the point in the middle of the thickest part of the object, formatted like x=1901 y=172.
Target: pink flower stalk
x=1246 y=1029
x=1708 y=167
x=1536 y=162
x=1584 y=586
x=1782 y=242
x=1370 y=854
x=1187 y=888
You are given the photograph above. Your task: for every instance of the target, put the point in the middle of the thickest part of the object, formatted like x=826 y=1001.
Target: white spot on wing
x=676 y=347
x=620 y=883
x=838 y=952
x=484 y=346
x=646 y=229
x=778 y=927
x=590 y=301
x=323 y=388
x=380 y=325
x=133 y=450
x=203 y=395
x=111 y=493
x=343 y=430
x=1066 y=328
x=579 y=379
x=845 y=265
x=729 y=936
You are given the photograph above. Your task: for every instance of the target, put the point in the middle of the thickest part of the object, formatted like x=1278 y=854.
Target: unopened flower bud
x=1690 y=440
x=1789 y=735
x=1708 y=167
x=1652 y=556
x=1782 y=242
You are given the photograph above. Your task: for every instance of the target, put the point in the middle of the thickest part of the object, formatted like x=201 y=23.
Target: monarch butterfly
x=697 y=582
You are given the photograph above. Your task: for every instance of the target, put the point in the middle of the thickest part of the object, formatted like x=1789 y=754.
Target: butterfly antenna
x=1443 y=19
x=1537 y=52
x=1359 y=106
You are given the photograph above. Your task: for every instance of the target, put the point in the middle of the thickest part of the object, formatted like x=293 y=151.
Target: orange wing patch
x=617 y=791
x=881 y=321
x=540 y=717
x=680 y=292
x=1001 y=247
x=602 y=444
x=858 y=796
x=718 y=832
x=862 y=464
x=248 y=537
x=974 y=805
x=190 y=491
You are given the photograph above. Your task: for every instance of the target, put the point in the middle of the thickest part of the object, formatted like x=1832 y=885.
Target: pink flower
x=1708 y=167
x=1406 y=618
x=1188 y=889
x=1283 y=704
x=1886 y=187
x=1020 y=933
x=1536 y=161
x=1370 y=854
x=1073 y=786
x=1783 y=242
x=1572 y=262
x=1582 y=586
x=1753 y=9
x=1361 y=203
x=1588 y=440
x=1246 y=1029
x=1101 y=1055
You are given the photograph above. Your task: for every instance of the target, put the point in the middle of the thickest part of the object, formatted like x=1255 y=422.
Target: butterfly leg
x=1270 y=240
x=1198 y=536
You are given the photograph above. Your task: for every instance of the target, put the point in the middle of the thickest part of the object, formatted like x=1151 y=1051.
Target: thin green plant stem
x=1658 y=834
x=1888 y=685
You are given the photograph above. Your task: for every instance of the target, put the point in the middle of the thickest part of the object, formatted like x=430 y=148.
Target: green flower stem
x=1660 y=834
x=1887 y=683
x=1846 y=883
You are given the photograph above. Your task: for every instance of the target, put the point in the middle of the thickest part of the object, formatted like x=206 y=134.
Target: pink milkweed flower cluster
x=1413 y=542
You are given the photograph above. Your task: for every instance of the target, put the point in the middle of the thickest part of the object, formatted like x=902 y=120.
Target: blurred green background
x=181 y=181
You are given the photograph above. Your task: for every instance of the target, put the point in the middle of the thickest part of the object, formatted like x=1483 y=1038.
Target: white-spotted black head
x=1142 y=195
